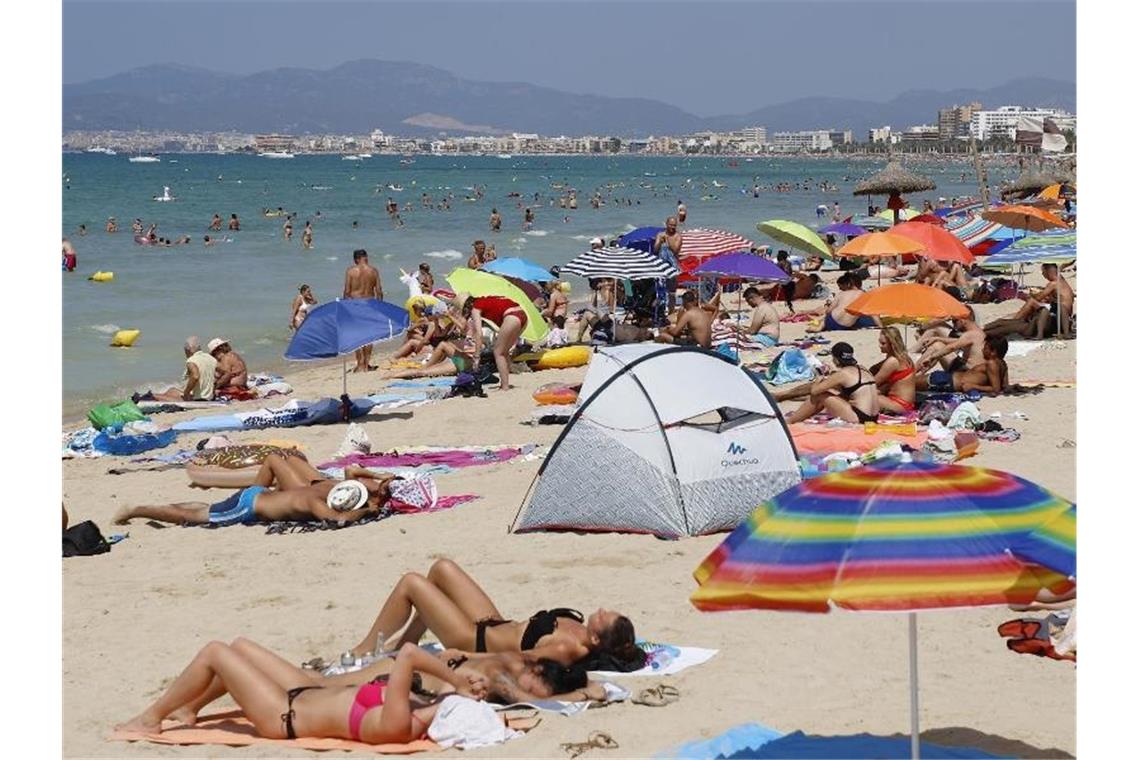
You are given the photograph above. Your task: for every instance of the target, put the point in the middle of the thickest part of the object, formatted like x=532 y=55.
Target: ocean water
x=242 y=290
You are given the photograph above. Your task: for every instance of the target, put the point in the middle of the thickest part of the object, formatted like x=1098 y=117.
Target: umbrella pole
x=912 y=626
x=344 y=376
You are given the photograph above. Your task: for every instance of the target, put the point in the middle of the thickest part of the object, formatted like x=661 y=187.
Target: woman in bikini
x=510 y=678
x=454 y=353
x=302 y=304
x=451 y=604
x=894 y=375
x=283 y=702
x=849 y=393
x=505 y=314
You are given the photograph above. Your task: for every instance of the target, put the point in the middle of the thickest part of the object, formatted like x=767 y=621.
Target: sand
x=134 y=617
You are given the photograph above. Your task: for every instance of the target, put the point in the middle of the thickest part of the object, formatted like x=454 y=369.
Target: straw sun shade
x=893 y=180
x=908 y=301
x=874 y=245
x=1025 y=218
x=1028 y=183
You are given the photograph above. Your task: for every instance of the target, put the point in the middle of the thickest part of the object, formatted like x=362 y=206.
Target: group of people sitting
x=960 y=359
x=217 y=372
x=396 y=698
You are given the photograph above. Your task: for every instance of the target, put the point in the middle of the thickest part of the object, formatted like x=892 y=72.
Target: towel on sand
x=234 y=730
x=826 y=439
x=663 y=660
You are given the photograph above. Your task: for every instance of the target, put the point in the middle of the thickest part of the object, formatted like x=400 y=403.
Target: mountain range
x=415 y=99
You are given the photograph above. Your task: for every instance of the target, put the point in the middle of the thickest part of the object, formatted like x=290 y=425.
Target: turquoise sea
x=243 y=289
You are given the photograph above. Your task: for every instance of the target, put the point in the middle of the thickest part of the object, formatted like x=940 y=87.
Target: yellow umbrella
x=479 y=283
x=905 y=214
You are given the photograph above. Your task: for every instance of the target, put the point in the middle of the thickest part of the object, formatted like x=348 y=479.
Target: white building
x=755 y=135
x=1003 y=121
x=792 y=142
x=880 y=135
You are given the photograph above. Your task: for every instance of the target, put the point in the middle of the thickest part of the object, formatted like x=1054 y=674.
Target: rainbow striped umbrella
x=896 y=536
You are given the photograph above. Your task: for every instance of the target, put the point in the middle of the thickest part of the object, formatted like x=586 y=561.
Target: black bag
x=84 y=539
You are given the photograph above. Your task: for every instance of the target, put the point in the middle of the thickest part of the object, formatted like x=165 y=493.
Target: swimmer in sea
x=112 y=225
x=235 y=223
x=307 y=236
x=288 y=229
x=216 y=223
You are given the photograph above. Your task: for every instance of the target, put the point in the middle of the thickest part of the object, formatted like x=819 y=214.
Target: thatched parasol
x=1030 y=182
x=894 y=181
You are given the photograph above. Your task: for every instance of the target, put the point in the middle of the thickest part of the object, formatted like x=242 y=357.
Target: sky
x=709 y=58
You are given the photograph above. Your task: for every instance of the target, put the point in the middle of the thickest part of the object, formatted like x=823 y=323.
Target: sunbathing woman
x=510 y=678
x=894 y=375
x=454 y=354
x=283 y=703
x=848 y=393
x=452 y=605
x=991 y=376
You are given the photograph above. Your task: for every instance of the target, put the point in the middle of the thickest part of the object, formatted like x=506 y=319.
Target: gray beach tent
x=667 y=440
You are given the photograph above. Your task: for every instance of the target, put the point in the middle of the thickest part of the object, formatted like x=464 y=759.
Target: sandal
x=317 y=663
x=597 y=740
x=658 y=696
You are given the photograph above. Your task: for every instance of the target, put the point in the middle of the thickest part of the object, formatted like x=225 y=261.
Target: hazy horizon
x=636 y=49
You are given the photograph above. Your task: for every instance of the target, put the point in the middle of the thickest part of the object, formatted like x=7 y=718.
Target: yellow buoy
x=558 y=358
x=102 y=276
x=125 y=338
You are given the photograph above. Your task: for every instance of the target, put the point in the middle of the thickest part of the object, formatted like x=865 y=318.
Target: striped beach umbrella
x=895 y=536
x=971 y=229
x=622 y=263
x=705 y=242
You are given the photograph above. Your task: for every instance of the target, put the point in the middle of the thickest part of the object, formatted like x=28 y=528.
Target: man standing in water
x=496 y=220
x=361 y=280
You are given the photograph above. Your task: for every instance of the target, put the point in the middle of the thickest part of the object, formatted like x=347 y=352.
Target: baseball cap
x=843 y=354
x=212 y=346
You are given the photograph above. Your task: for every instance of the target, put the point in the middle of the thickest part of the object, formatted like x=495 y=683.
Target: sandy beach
x=135 y=616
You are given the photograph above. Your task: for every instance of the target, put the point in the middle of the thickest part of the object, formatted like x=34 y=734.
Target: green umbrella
x=795 y=235
x=479 y=283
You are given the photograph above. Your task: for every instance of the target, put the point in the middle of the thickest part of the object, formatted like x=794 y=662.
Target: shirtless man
x=216 y=223
x=969 y=345
x=235 y=223
x=765 y=325
x=478 y=255
x=231 y=371
x=496 y=221
x=990 y=376
x=1037 y=319
x=361 y=280
x=667 y=245
x=693 y=327
x=837 y=317
x=297 y=497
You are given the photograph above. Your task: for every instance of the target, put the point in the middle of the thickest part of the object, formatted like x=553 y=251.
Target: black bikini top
x=543 y=623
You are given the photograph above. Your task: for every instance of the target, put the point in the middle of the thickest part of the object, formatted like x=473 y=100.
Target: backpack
x=466 y=385
x=84 y=539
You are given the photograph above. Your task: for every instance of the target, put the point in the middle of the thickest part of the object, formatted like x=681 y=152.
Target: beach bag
x=106 y=415
x=466 y=385
x=84 y=539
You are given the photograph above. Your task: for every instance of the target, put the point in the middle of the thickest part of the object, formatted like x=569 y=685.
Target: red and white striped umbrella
x=704 y=242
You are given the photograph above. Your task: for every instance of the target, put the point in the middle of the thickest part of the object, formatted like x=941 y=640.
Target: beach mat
x=800 y=745
x=743 y=737
x=232 y=729
x=663 y=660
x=827 y=439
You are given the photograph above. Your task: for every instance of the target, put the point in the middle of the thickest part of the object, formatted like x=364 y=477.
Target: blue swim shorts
x=765 y=339
x=236 y=509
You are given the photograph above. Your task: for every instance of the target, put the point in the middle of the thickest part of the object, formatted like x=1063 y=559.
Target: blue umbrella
x=520 y=269
x=842 y=228
x=340 y=327
x=642 y=238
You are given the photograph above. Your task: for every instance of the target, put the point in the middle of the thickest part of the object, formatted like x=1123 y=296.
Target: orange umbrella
x=1024 y=218
x=1054 y=192
x=874 y=245
x=908 y=301
x=937 y=243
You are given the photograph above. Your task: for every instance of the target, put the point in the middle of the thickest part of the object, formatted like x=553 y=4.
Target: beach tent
x=669 y=440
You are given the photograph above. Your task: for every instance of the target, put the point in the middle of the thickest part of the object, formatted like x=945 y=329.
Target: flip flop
x=659 y=696
x=597 y=740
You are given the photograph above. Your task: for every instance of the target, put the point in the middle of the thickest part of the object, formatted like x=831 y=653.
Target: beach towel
x=827 y=439
x=161 y=407
x=799 y=745
x=468 y=724
x=614 y=693
x=281 y=527
x=234 y=730
x=423 y=382
x=294 y=413
x=735 y=739
x=432 y=455
x=1018 y=348
x=663 y=660
x=791 y=366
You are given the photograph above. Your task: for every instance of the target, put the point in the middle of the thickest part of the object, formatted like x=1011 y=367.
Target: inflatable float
x=142 y=240
x=232 y=466
x=560 y=358
x=556 y=393
x=125 y=338
x=102 y=277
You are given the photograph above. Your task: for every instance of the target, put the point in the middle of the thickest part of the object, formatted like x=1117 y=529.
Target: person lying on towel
x=302 y=493
x=511 y=678
x=283 y=701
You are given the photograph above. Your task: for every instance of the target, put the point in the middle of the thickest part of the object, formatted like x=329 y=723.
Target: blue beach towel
x=800 y=745
x=743 y=737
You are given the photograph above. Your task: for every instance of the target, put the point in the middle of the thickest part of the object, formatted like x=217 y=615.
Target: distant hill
x=411 y=98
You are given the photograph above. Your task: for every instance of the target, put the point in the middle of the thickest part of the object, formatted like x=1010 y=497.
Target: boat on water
x=407 y=160
x=395 y=188
x=355 y=156
x=104 y=151
x=505 y=155
x=141 y=159
x=275 y=154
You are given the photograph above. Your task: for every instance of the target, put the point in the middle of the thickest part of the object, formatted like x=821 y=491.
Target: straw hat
x=347 y=496
x=459 y=299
